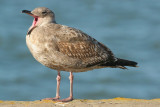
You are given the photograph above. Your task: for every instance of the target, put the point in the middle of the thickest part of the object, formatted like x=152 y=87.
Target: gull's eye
x=44 y=12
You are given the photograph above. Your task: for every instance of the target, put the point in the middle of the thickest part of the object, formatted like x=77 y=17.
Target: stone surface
x=116 y=102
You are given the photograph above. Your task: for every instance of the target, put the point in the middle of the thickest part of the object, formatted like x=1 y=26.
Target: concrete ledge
x=116 y=102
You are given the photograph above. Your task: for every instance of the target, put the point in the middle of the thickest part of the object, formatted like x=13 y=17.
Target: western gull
x=68 y=49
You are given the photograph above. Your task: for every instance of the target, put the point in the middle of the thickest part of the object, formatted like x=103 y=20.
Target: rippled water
x=130 y=28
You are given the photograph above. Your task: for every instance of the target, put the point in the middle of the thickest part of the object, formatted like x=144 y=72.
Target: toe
x=66 y=99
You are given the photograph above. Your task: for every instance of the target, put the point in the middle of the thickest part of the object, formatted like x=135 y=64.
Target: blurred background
x=130 y=28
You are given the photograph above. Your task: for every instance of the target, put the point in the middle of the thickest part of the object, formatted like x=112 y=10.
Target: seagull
x=64 y=48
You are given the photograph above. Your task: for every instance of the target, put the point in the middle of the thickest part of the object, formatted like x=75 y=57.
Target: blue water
x=130 y=28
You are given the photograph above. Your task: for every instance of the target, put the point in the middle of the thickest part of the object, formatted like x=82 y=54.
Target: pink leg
x=58 y=86
x=70 y=98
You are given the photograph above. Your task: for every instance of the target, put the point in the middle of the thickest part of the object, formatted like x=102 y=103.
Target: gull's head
x=42 y=15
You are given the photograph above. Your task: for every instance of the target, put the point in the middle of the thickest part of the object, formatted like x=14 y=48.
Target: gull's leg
x=58 y=86
x=70 y=98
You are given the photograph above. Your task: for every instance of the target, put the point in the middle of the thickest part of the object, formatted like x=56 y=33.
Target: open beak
x=29 y=13
x=35 y=17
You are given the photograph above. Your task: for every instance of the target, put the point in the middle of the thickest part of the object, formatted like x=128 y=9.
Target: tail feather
x=120 y=63
x=123 y=62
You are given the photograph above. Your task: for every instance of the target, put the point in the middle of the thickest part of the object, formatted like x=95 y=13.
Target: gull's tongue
x=34 y=21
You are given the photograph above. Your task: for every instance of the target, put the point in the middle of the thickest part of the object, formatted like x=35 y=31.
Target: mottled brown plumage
x=64 y=48
x=58 y=42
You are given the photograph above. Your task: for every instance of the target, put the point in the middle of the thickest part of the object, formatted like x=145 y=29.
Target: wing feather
x=78 y=45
